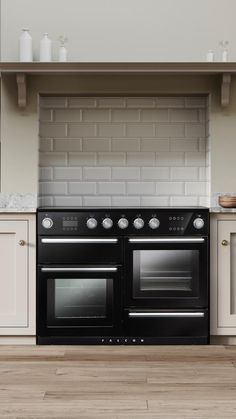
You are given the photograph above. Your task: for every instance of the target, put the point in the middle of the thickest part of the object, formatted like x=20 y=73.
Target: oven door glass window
x=80 y=298
x=79 y=301
x=165 y=273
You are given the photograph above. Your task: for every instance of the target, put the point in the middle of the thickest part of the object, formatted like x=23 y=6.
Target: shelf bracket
x=225 y=89
x=21 y=85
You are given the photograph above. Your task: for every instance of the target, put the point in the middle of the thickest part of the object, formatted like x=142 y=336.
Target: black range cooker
x=122 y=276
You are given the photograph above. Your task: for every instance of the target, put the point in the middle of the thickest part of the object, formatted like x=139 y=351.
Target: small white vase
x=225 y=55
x=45 y=51
x=25 y=46
x=62 y=53
x=210 y=56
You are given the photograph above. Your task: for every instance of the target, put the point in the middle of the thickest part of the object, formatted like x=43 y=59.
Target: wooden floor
x=117 y=382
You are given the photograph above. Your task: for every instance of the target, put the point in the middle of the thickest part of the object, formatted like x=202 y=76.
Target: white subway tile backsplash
x=140 y=188
x=153 y=115
x=97 y=201
x=177 y=144
x=110 y=130
x=140 y=130
x=82 y=188
x=67 y=201
x=195 y=159
x=96 y=144
x=195 y=102
x=125 y=115
x=81 y=102
x=82 y=159
x=154 y=144
x=67 y=115
x=45 y=201
x=195 y=130
x=52 y=130
x=126 y=173
x=45 y=173
x=170 y=102
x=111 y=159
x=170 y=130
x=184 y=115
x=184 y=173
x=125 y=144
x=111 y=102
x=170 y=188
x=67 y=144
x=140 y=159
x=123 y=151
x=96 y=173
x=81 y=130
x=67 y=173
x=95 y=115
x=195 y=188
x=52 y=159
x=45 y=115
x=155 y=201
x=52 y=102
x=181 y=201
x=111 y=188
x=170 y=159
x=49 y=188
x=140 y=102
x=155 y=173
x=45 y=144
x=125 y=201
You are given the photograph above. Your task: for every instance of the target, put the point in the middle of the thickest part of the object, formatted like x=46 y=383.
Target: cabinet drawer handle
x=224 y=242
x=22 y=242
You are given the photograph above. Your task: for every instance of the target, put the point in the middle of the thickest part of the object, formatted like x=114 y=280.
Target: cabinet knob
x=22 y=242
x=224 y=242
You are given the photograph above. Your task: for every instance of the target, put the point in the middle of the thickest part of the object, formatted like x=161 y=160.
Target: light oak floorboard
x=118 y=382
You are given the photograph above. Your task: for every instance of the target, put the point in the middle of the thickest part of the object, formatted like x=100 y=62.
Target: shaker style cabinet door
x=13 y=274
x=226 y=274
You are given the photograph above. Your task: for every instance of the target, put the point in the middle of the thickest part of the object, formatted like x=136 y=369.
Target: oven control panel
x=124 y=222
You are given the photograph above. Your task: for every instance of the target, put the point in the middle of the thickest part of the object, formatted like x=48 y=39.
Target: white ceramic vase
x=25 y=46
x=45 y=50
x=62 y=53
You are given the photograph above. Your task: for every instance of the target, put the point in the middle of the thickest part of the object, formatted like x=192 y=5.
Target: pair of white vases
x=45 y=48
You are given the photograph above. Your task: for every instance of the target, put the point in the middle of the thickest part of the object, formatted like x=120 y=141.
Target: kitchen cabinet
x=17 y=274
x=223 y=274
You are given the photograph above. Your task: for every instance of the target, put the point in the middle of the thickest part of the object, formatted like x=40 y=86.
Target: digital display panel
x=70 y=223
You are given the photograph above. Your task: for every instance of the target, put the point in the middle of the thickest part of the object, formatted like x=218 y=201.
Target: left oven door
x=78 y=300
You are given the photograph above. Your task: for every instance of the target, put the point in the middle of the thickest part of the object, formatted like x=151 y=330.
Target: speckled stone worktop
x=18 y=202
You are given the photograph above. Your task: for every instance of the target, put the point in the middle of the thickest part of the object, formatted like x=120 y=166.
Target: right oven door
x=166 y=272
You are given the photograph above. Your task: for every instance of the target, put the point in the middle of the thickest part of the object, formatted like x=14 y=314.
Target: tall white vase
x=25 y=46
x=45 y=53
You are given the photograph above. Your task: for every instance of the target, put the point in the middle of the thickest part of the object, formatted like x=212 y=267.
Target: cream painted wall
x=122 y=30
x=20 y=128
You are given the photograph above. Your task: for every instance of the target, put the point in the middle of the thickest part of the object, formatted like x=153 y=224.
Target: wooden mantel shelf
x=21 y=70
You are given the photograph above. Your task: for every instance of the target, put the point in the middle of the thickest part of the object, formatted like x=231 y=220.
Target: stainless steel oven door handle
x=78 y=240
x=82 y=269
x=168 y=240
x=166 y=314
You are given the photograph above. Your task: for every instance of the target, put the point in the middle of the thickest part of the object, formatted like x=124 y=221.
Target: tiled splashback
x=123 y=151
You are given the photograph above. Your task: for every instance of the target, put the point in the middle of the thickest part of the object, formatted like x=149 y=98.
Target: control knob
x=123 y=223
x=107 y=223
x=47 y=222
x=198 y=223
x=138 y=223
x=154 y=223
x=91 y=223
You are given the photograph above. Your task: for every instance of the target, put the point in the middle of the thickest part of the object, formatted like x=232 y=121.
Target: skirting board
x=17 y=340
x=223 y=340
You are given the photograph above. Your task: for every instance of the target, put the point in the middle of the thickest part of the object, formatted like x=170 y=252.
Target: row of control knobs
x=123 y=223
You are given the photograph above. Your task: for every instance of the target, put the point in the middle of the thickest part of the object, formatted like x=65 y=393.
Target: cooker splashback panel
x=123 y=151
